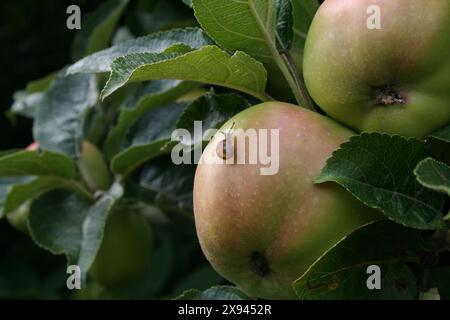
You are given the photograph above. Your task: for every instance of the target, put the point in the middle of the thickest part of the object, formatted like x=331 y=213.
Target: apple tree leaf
x=26 y=101
x=64 y=223
x=378 y=170
x=33 y=173
x=442 y=134
x=212 y=110
x=155 y=43
x=147 y=137
x=201 y=278
x=144 y=98
x=248 y=25
x=303 y=12
x=214 y=293
x=187 y=2
x=208 y=64
x=20 y=193
x=93 y=226
x=284 y=23
x=343 y=272
x=55 y=223
x=166 y=185
x=434 y=175
x=35 y=163
x=6 y=185
x=59 y=118
x=438 y=144
x=98 y=27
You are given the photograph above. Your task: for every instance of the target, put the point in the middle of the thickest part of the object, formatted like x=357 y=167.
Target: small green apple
x=391 y=77
x=93 y=167
x=262 y=232
x=125 y=250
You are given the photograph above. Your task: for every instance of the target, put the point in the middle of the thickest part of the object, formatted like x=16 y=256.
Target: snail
x=225 y=148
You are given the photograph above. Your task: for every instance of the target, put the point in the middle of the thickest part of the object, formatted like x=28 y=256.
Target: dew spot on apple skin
x=259 y=264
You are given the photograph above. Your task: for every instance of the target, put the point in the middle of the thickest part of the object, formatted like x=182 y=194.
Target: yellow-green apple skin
x=395 y=79
x=125 y=251
x=262 y=232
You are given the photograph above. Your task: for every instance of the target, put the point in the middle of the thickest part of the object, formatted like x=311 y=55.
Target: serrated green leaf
x=191 y=294
x=25 y=104
x=63 y=223
x=147 y=137
x=59 y=118
x=20 y=193
x=303 y=12
x=378 y=170
x=341 y=273
x=214 y=293
x=442 y=134
x=34 y=163
x=55 y=223
x=248 y=25
x=434 y=175
x=26 y=101
x=155 y=43
x=121 y=35
x=201 y=278
x=187 y=2
x=208 y=64
x=93 y=227
x=146 y=97
x=97 y=28
x=6 y=184
x=438 y=144
x=171 y=184
x=284 y=23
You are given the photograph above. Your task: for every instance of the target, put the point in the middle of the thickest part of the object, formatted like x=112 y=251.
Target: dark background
x=34 y=41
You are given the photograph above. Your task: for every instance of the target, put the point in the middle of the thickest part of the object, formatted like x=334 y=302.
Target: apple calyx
x=260 y=265
x=387 y=96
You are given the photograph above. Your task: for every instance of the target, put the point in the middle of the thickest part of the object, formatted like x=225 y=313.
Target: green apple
x=125 y=251
x=262 y=232
x=93 y=167
x=395 y=79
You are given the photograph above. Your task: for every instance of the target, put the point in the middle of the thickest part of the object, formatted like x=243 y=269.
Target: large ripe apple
x=395 y=79
x=262 y=232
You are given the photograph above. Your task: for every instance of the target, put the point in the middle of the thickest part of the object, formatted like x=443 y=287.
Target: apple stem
x=289 y=69
x=300 y=83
